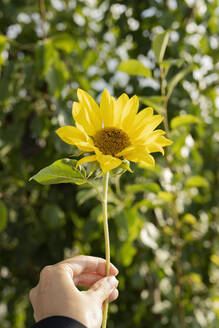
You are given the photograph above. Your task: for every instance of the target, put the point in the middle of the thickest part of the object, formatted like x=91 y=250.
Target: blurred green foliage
x=163 y=222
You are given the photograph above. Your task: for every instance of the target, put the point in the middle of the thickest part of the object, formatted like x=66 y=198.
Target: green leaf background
x=85 y=46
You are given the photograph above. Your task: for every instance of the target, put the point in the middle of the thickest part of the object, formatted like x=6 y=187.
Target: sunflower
x=114 y=130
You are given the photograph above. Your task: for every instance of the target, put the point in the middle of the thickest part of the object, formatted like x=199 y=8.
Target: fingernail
x=117 y=271
x=112 y=281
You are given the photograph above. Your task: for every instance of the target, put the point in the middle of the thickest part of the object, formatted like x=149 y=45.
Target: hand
x=57 y=294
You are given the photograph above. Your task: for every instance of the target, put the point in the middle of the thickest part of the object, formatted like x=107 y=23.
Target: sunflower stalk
x=107 y=241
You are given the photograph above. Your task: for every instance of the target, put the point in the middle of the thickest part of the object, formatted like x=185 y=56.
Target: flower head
x=114 y=130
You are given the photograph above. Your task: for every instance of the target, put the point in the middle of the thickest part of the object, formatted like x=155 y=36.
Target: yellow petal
x=163 y=141
x=142 y=135
x=140 y=157
x=82 y=119
x=127 y=150
x=107 y=109
x=119 y=106
x=73 y=136
x=86 y=159
x=156 y=141
x=107 y=162
x=129 y=112
x=154 y=148
x=87 y=111
x=137 y=153
x=153 y=136
x=140 y=120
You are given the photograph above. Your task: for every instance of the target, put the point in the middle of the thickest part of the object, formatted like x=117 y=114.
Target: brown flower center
x=111 y=141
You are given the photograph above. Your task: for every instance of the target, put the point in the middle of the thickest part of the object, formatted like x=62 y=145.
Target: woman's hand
x=57 y=294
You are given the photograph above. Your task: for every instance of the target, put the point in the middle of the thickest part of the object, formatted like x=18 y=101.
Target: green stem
x=178 y=250
x=43 y=17
x=107 y=241
x=117 y=182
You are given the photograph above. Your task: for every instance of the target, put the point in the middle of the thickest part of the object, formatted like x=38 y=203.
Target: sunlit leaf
x=57 y=77
x=215 y=303
x=141 y=187
x=184 y=120
x=61 y=171
x=193 y=278
x=145 y=204
x=172 y=62
x=134 y=67
x=175 y=80
x=2 y=48
x=155 y=102
x=3 y=216
x=168 y=230
x=215 y=259
x=166 y=196
x=45 y=55
x=189 y=218
x=126 y=253
x=197 y=181
x=63 y=41
x=159 y=45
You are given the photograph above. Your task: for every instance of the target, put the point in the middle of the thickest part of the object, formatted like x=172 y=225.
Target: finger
x=90 y=264
x=32 y=294
x=86 y=279
x=103 y=288
x=114 y=295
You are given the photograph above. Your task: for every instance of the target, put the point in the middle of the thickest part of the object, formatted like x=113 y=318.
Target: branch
x=43 y=17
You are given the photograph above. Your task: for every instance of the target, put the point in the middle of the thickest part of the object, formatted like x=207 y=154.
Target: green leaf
x=215 y=259
x=134 y=222
x=189 y=218
x=3 y=216
x=184 y=120
x=197 y=181
x=61 y=171
x=126 y=253
x=2 y=48
x=159 y=45
x=57 y=77
x=125 y=166
x=175 y=80
x=63 y=41
x=6 y=81
x=45 y=55
x=155 y=101
x=141 y=187
x=2 y=42
x=166 y=196
x=84 y=195
x=171 y=62
x=53 y=216
x=134 y=67
x=144 y=203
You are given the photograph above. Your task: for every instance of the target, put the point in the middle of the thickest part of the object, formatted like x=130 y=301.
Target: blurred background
x=163 y=222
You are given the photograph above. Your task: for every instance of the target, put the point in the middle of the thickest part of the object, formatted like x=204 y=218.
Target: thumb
x=102 y=289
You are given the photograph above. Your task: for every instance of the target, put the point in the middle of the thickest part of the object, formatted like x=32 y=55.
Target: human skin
x=57 y=292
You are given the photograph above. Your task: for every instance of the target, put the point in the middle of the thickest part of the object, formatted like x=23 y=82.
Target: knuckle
x=61 y=267
x=32 y=293
x=78 y=257
x=97 y=285
x=45 y=271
